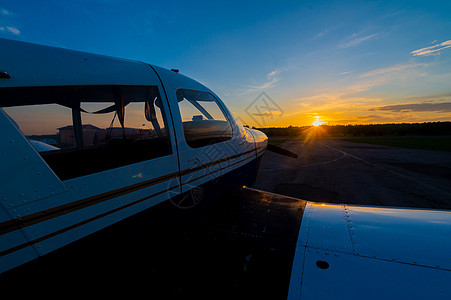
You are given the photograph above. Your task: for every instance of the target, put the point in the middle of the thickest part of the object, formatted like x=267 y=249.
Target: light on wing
x=381 y=251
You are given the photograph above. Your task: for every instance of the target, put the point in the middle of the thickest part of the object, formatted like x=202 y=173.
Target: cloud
x=10 y=29
x=357 y=95
x=322 y=33
x=344 y=73
x=418 y=107
x=272 y=78
x=429 y=98
x=13 y=30
x=432 y=50
x=273 y=73
x=395 y=68
x=356 y=39
x=271 y=81
x=388 y=118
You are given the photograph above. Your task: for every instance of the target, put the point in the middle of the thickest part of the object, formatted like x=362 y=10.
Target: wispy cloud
x=356 y=39
x=273 y=73
x=13 y=30
x=388 y=118
x=358 y=90
x=5 y=16
x=435 y=107
x=10 y=29
x=344 y=73
x=391 y=69
x=357 y=103
x=428 y=98
x=4 y=12
x=432 y=50
x=271 y=79
x=322 y=33
x=270 y=82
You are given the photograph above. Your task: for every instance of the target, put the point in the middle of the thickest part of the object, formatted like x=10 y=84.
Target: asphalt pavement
x=338 y=171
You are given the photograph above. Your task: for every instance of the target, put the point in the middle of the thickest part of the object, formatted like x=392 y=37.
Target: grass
x=426 y=143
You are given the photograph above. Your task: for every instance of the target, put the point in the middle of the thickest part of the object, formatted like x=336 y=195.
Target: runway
x=338 y=171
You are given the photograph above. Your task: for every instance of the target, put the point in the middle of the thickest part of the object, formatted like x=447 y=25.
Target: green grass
x=426 y=143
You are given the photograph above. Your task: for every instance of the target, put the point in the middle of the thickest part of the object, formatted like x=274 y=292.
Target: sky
x=274 y=63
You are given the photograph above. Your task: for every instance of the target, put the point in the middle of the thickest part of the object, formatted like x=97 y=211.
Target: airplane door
x=207 y=138
x=210 y=141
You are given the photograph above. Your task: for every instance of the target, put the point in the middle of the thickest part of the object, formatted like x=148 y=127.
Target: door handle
x=193 y=162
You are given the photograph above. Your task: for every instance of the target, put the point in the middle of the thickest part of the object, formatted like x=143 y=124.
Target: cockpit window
x=80 y=130
x=204 y=122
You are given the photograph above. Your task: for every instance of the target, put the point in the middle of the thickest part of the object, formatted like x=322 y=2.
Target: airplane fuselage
x=89 y=140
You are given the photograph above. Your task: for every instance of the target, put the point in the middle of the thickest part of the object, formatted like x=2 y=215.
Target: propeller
x=281 y=151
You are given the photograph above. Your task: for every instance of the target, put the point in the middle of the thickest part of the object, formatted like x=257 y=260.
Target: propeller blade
x=281 y=151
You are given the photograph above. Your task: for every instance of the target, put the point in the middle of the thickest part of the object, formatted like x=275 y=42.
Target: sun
x=317 y=123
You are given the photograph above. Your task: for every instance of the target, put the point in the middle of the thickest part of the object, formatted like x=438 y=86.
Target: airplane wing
x=353 y=252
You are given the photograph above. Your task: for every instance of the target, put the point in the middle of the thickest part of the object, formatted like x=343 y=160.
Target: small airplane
x=90 y=140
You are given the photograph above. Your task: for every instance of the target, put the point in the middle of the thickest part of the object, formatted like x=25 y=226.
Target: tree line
x=397 y=129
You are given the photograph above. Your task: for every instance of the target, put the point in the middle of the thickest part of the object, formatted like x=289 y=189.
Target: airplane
x=90 y=140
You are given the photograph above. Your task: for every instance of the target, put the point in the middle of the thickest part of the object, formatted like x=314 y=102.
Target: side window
x=80 y=130
x=203 y=120
x=41 y=124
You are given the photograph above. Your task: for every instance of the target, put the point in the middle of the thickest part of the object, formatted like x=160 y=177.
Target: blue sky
x=342 y=62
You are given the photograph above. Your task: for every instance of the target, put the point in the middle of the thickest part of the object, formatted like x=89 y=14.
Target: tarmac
x=338 y=171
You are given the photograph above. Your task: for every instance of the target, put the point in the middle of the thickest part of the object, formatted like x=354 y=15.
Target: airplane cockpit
x=203 y=120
